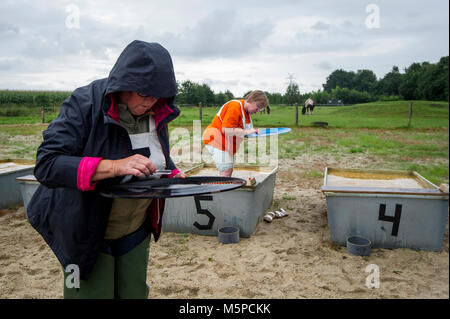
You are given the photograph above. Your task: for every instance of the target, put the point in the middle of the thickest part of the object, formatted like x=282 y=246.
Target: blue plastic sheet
x=270 y=131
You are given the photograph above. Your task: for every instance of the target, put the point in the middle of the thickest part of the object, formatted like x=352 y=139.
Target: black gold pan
x=171 y=187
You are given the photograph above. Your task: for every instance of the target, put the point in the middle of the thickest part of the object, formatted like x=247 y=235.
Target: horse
x=263 y=111
x=308 y=107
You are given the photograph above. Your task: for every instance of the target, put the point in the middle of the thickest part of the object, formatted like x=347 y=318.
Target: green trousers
x=123 y=277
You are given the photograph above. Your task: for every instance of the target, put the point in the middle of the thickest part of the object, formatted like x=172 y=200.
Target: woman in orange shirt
x=228 y=128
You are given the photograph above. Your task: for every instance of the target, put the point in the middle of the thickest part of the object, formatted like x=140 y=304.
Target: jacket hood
x=145 y=68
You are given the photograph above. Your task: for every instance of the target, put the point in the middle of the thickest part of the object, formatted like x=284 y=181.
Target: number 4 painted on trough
x=395 y=220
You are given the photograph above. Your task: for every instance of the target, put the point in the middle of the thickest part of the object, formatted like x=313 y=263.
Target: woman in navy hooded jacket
x=106 y=130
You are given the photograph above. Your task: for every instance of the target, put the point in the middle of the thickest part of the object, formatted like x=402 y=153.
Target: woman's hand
x=137 y=165
x=238 y=132
x=251 y=131
x=180 y=175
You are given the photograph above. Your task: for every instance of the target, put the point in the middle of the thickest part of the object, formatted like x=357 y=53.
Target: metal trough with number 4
x=391 y=208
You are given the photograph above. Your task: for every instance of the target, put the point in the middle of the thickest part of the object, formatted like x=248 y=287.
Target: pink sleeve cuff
x=174 y=172
x=86 y=169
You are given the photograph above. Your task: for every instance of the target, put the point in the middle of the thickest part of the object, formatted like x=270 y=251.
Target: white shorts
x=222 y=159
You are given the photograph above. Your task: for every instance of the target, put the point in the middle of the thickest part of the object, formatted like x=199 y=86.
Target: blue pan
x=270 y=131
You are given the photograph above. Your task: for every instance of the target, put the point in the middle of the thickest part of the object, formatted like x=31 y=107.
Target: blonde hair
x=259 y=97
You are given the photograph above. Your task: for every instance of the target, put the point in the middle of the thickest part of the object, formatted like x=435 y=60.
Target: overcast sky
x=236 y=45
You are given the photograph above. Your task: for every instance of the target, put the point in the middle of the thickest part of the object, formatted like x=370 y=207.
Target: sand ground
x=291 y=257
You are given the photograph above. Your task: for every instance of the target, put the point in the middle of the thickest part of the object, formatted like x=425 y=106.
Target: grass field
x=371 y=115
x=371 y=131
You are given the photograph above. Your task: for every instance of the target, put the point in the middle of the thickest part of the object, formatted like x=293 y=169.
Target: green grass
x=395 y=148
x=31 y=119
x=375 y=131
x=20 y=141
x=393 y=114
x=312 y=174
x=23 y=129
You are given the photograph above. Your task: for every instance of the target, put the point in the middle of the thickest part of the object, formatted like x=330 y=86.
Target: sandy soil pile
x=291 y=257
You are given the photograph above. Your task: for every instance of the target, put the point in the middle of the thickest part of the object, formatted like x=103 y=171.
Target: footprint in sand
x=201 y=266
x=32 y=271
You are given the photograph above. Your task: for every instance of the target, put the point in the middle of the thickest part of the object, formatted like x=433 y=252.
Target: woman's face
x=138 y=104
x=252 y=107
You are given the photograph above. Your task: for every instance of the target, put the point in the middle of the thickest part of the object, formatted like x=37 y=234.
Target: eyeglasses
x=143 y=95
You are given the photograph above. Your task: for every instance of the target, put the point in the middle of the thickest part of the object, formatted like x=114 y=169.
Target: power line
x=290 y=78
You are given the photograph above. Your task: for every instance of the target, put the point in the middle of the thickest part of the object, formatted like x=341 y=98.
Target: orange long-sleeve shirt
x=230 y=117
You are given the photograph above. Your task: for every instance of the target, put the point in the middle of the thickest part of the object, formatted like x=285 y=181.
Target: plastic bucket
x=229 y=235
x=359 y=246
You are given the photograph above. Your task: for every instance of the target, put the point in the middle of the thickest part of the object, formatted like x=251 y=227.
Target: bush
x=15 y=110
x=351 y=96
x=42 y=99
x=386 y=98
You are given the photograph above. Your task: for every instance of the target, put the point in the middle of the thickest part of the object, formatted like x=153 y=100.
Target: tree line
x=419 y=81
x=33 y=97
x=24 y=103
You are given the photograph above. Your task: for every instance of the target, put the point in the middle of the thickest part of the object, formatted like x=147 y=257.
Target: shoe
x=278 y=214
x=269 y=217
x=285 y=213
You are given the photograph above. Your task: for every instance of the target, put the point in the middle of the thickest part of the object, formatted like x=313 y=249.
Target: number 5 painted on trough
x=204 y=212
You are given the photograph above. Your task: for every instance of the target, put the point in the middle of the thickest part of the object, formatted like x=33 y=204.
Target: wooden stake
x=296 y=114
x=200 y=109
x=410 y=114
x=42 y=115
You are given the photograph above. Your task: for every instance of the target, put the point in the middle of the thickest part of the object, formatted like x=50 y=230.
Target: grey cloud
x=324 y=66
x=17 y=64
x=321 y=37
x=43 y=32
x=8 y=29
x=35 y=39
x=217 y=82
x=347 y=24
x=5 y=65
x=337 y=38
x=235 y=85
x=224 y=33
x=321 y=26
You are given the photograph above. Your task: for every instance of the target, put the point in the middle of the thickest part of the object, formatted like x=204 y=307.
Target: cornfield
x=30 y=103
x=33 y=98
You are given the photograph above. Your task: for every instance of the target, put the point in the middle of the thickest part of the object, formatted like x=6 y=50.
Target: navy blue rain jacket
x=71 y=221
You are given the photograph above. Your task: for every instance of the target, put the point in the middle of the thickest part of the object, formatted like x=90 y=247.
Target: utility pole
x=291 y=78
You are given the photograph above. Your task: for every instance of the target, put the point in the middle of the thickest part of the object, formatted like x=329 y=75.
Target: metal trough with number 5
x=242 y=208
x=393 y=209
x=205 y=214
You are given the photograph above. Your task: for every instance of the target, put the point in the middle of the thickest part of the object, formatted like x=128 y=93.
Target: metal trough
x=242 y=208
x=391 y=208
x=28 y=185
x=9 y=189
